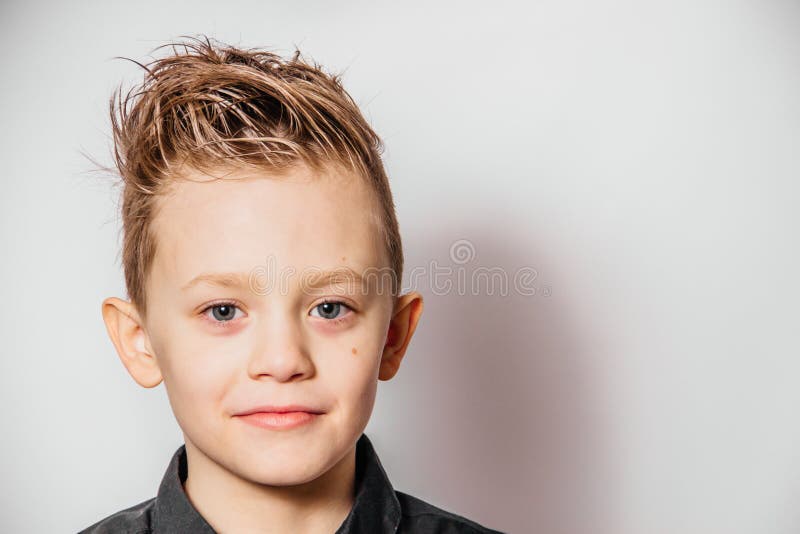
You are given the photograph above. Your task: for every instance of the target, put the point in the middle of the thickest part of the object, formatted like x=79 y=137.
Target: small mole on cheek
x=344 y=258
x=354 y=351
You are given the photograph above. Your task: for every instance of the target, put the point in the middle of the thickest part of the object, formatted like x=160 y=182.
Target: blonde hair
x=210 y=105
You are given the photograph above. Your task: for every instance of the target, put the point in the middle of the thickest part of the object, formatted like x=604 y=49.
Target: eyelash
x=338 y=319
x=224 y=324
x=221 y=324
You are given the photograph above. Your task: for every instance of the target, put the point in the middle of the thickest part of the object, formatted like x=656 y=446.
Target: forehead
x=299 y=218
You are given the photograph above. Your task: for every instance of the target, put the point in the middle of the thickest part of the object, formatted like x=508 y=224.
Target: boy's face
x=225 y=347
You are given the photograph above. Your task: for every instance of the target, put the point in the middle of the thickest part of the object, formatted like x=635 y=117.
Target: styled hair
x=211 y=105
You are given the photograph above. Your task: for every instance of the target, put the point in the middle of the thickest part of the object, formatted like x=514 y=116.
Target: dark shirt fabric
x=377 y=508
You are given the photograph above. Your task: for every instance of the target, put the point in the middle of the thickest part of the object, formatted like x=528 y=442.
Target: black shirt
x=377 y=508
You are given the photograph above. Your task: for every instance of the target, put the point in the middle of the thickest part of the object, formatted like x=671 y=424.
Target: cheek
x=196 y=371
x=350 y=365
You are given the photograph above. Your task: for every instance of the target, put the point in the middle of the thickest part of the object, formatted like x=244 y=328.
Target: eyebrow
x=230 y=280
x=311 y=280
x=339 y=275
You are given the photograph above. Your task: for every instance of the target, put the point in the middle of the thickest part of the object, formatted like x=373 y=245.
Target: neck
x=230 y=503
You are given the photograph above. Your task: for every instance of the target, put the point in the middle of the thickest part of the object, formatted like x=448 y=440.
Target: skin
x=273 y=347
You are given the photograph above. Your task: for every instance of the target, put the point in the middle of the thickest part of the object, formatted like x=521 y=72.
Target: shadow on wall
x=505 y=390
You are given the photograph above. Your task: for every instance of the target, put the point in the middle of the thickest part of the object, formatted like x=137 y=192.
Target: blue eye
x=330 y=310
x=222 y=312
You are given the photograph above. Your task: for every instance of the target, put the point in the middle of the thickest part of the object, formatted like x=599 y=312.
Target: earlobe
x=405 y=318
x=126 y=331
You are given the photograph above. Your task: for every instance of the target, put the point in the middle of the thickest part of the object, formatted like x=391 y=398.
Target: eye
x=222 y=312
x=330 y=310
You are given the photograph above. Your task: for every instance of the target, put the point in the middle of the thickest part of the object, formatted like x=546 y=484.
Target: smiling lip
x=278 y=421
x=279 y=417
x=280 y=409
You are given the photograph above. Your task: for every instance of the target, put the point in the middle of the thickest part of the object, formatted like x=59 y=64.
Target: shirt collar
x=375 y=507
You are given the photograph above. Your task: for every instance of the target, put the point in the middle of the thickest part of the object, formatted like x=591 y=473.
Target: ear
x=405 y=317
x=125 y=328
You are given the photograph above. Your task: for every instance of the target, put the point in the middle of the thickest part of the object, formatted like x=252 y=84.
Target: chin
x=284 y=472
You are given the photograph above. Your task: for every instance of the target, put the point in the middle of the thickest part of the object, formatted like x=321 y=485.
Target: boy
x=256 y=216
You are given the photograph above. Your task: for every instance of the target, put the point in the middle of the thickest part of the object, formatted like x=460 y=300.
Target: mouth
x=279 y=420
x=279 y=417
x=292 y=408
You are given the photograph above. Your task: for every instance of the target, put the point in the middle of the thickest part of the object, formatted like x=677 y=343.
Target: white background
x=643 y=157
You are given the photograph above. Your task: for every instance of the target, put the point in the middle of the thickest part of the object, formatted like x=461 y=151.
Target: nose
x=280 y=351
